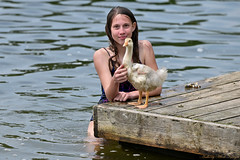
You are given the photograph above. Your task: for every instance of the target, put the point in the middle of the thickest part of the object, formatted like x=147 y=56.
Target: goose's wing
x=141 y=69
x=143 y=73
x=140 y=76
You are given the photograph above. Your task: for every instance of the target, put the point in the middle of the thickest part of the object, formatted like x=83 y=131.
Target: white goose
x=142 y=77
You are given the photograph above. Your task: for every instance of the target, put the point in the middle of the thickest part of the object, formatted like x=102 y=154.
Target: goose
x=142 y=77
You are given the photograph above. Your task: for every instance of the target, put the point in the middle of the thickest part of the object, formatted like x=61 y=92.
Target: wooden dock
x=204 y=121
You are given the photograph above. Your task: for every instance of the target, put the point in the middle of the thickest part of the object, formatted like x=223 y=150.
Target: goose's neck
x=127 y=58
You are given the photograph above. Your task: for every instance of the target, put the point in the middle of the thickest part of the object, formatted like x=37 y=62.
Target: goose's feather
x=142 y=77
x=145 y=78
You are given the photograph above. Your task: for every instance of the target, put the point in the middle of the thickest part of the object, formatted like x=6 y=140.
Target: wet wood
x=203 y=121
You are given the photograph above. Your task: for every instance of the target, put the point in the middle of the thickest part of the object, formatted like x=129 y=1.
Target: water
x=48 y=83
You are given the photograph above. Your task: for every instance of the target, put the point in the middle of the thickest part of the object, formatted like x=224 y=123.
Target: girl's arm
x=147 y=57
x=110 y=83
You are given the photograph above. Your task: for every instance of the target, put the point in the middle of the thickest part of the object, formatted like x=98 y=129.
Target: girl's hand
x=121 y=96
x=120 y=75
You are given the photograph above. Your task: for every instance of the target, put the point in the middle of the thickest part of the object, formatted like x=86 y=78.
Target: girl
x=121 y=24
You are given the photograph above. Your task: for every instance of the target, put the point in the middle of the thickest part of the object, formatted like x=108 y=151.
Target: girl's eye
x=116 y=27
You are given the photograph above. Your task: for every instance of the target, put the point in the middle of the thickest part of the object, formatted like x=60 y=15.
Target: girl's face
x=122 y=27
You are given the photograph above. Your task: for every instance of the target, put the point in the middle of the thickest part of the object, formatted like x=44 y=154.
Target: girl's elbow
x=110 y=100
x=110 y=97
x=159 y=90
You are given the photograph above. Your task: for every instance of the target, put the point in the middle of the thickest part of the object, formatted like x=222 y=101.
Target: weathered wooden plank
x=208 y=83
x=225 y=78
x=232 y=121
x=210 y=109
x=197 y=94
x=170 y=132
x=201 y=102
x=223 y=115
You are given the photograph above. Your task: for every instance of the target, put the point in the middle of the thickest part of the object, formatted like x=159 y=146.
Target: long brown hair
x=113 y=47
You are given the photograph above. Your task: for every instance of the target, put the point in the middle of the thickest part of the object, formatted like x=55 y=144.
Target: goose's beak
x=125 y=44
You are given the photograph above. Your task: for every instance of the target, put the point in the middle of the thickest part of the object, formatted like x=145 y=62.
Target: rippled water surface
x=48 y=83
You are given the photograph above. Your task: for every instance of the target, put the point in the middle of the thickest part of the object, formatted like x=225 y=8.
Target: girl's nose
x=122 y=30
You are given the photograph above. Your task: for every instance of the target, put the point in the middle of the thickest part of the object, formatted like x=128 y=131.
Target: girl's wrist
x=133 y=95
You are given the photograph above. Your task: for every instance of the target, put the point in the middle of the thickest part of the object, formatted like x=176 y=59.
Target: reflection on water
x=48 y=83
x=49 y=67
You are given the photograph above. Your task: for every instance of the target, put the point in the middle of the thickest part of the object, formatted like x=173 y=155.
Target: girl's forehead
x=121 y=18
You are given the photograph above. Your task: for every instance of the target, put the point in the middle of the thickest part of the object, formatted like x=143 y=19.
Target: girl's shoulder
x=104 y=52
x=101 y=53
x=100 y=56
x=144 y=43
x=145 y=50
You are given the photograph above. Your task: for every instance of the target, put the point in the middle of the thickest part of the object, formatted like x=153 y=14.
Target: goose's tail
x=162 y=74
